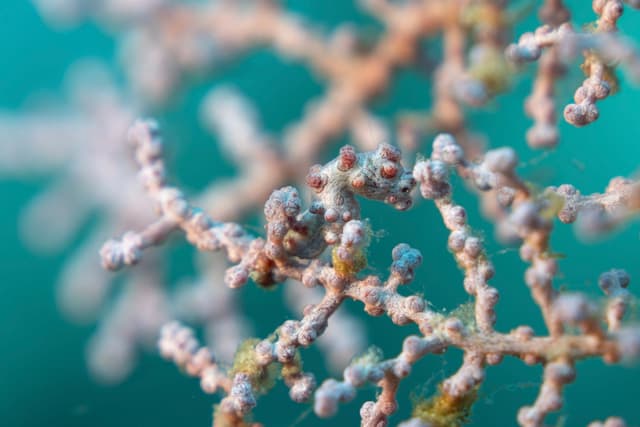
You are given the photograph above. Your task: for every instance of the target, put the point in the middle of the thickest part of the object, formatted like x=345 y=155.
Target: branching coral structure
x=295 y=240
x=317 y=237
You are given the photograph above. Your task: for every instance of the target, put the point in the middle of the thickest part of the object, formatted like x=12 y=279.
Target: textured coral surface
x=495 y=287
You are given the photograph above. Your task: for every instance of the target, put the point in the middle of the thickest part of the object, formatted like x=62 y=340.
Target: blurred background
x=64 y=91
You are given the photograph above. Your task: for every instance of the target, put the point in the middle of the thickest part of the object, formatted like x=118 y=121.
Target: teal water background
x=43 y=378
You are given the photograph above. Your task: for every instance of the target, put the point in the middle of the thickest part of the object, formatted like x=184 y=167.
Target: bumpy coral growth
x=293 y=249
x=317 y=239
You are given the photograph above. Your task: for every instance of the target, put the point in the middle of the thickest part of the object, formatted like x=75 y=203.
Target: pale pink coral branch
x=541 y=105
x=433 y=177
x=177 y=343
x=603 y=49
x=345 y=336
x=600 y=212
x=609 y=422
x=263 y=165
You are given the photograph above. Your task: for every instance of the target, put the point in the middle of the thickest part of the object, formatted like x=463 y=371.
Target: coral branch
x=334 y=221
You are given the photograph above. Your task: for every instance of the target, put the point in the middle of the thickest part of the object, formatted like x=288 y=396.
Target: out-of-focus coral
x=79 y=141
x=164 y=42
x=557 y=42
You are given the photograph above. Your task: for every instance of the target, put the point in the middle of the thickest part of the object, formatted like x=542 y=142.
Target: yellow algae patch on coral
x=351 y=267
x=262 y=378
x=444 y=410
